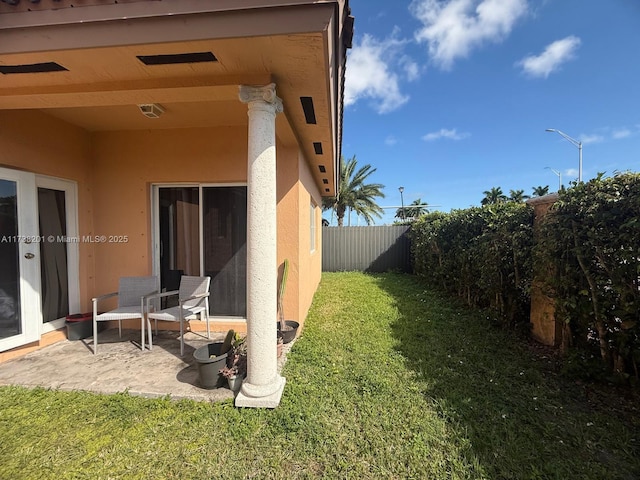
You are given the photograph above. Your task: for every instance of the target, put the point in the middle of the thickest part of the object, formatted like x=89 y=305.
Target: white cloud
x=622 y=133
x=444 y=133
x=370 y=75
x=552 y=58
x=411 y=68
x=571 y=172
x=453 y=28
x=390 y=141
x=595 y=138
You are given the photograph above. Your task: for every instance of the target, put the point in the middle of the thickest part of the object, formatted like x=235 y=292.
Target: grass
x=388 y=381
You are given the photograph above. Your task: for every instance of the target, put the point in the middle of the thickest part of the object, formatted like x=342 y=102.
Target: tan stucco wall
x=115 y=170
x=211 y=155
x=296 y=188
x=38 y=143
x=128 y=163
x=310 y=262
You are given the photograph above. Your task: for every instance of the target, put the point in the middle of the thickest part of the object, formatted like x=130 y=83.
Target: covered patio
x=121 y=366
x=155 y=125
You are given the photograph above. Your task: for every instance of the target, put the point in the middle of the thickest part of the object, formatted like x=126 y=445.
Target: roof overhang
x=299 y=45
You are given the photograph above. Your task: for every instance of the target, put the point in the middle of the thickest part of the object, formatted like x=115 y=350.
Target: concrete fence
x=366 y=249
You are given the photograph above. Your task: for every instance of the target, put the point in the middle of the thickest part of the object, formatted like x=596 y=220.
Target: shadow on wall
x=372 y=249
x=395 y=258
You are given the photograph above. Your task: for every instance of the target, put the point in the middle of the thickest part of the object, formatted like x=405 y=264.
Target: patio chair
x=131 y=293
x=193 y=300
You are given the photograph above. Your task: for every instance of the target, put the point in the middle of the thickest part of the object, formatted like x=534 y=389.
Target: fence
x=367 y=249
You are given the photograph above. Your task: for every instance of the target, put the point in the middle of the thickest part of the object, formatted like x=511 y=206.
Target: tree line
x=355 y=194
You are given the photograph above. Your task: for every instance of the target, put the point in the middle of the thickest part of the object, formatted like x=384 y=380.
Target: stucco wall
x=38 y=143
x=296 y=188
x=115 y=171
x=310 y=262
x=128 y=163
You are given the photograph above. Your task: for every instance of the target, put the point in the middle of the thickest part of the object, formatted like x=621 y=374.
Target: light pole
x=559 y=174
x=401 y=189
x=574 y=142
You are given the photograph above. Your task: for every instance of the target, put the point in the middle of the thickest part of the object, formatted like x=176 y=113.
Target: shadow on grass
x=520 y=419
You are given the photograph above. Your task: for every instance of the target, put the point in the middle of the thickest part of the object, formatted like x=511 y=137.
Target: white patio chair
x=131 y=293
x=193 y=300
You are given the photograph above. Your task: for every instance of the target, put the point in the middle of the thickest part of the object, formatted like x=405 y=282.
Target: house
x=167 y=137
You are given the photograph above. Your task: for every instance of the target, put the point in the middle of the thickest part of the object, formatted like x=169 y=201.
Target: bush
x=590 y=243
x=481 y=254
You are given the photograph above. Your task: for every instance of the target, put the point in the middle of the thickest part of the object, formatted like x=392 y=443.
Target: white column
x=263 y=386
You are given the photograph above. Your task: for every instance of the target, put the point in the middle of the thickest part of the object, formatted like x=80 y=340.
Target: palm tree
x=540 y=191
x=517 y=196
x=493 y=196
x=354 y=194
x=413 y=211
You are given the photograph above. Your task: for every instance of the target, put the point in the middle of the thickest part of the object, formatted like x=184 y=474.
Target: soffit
x=103 y=84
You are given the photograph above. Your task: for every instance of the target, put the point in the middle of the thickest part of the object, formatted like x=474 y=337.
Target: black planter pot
x=210 y=361
x=79 y=326
x=290 y=333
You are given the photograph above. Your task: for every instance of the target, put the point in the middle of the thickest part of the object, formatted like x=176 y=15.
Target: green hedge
x=590 y=241
x=481 y=254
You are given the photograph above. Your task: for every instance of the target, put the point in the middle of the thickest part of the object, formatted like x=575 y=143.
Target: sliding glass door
x=202 y=230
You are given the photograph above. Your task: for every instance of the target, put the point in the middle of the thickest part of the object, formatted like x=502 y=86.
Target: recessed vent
x=325 y=181
x=322 y=169
x=307 y=108
x=44 y=67
x=317 y=146
x=177 y=58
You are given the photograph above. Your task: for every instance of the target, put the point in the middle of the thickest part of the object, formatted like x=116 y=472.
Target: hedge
x=587 y=257
x=481 y=254
x=591 y=241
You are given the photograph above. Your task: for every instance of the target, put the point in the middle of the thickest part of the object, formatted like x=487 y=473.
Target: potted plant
x=236 y=368
x=286 y=328
x=211 y=358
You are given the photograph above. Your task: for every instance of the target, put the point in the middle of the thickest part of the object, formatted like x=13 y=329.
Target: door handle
x=29 y=256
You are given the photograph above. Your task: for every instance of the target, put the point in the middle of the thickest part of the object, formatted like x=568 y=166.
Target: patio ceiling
x=104 y=80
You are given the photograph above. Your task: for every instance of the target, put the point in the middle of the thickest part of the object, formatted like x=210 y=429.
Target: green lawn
x=388 y=381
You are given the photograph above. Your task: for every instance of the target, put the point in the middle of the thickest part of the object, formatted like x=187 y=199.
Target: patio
x=119 y=366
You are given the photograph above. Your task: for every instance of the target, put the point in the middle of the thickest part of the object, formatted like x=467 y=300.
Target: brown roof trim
x=69 y=11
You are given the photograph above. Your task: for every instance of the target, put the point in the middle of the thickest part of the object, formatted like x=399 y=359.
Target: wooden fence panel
x=366 y=249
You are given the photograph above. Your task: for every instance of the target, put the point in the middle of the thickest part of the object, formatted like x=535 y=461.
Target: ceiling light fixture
x=151 y=110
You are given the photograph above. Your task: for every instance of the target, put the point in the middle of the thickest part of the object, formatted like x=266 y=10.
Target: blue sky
x=449 y=98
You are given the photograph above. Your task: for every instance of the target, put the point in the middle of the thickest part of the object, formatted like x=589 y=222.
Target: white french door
x=20 y=314
x=39 y=283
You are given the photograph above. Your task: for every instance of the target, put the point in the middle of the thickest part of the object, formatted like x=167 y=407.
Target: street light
x=574 y=142
x=559 y=174
x=401 y=189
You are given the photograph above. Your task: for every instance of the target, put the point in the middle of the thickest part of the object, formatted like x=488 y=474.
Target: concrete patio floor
x=119 y=366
